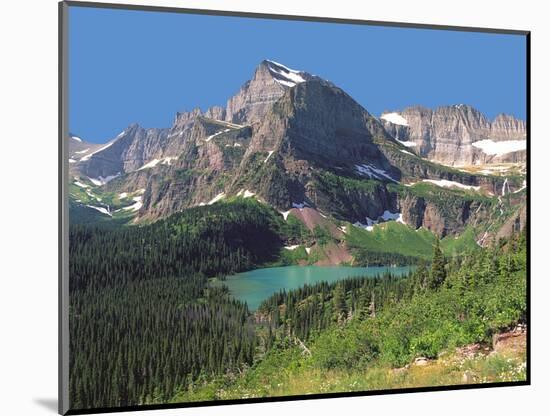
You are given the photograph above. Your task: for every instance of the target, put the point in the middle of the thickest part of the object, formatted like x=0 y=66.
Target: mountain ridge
x=289 y=138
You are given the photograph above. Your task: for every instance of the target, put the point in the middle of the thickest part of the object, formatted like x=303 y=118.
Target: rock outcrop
x=458 y=135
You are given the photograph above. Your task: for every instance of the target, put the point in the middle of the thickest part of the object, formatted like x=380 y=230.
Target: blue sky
x=130 y=66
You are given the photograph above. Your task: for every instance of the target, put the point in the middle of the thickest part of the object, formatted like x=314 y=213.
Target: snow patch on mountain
x=386 y=216
x=103 y=210
x=395 y=118
x=268 y=155
x=285 y=214
x=284 y=75
x=444 y=183
x=136 y=206
x=491 y=147
x=87 y=157
x=218 y=197
x=103 y=180
x=216 y=134
x=407 y=143
x=245 y=193
x=164 y=161
x=373 y=172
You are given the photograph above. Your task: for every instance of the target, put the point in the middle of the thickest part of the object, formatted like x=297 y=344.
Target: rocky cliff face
x=458 y=135
x=312 y=126
x=129 y=151
x=255 y=98
x=442 y=217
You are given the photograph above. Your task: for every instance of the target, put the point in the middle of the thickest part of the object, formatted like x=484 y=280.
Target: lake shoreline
x=254 y=286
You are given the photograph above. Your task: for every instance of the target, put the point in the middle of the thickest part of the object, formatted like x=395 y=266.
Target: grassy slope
x=393 y=237
x=298 y=376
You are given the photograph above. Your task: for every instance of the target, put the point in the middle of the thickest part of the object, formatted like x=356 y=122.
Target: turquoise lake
x=254 y=286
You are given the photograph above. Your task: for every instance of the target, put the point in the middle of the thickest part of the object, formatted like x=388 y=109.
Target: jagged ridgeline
x=291 y=171
x=292 y=139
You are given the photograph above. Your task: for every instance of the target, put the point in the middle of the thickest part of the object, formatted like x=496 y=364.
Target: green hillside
x=403 y=242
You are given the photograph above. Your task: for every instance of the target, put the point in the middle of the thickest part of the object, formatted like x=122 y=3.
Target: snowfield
x=136 y=206
x=285 y=214
x=97 y=151
x=395 y=118
x=292 y=247
x=245 y=193
x=407 y=144
x=268 y=155
x=218 y=197
x=285 y=75
x=103 y=180
x=451 y=184
x=490 y=147
x=165 y=161
x=386 y=216
x=82 y=185
x=216 y=134
x=103 y=210
x=373 y=172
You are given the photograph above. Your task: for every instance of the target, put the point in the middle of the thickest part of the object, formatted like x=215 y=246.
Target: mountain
x=79 y=148
x=255 y=98
x=304 y=146
x=458 y=135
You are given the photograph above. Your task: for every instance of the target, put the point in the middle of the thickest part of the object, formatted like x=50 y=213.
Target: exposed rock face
x=255 y=98
x=514 y=224
x=78 y=149
x=506 y=127
x=447 y=134
x=442 y=217
x=313 y=126
x=130 y=150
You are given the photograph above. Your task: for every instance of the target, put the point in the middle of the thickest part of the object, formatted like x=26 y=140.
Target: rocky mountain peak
x=269 y=82
x=282 y=74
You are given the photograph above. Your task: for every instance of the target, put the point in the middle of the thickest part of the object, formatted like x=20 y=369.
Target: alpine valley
x=292 y=171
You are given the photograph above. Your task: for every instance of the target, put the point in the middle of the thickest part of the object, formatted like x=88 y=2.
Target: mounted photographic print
x=263 y=207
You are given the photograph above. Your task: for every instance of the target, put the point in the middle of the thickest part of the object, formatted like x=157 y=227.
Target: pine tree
x=339 y=299
x=438 y=273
